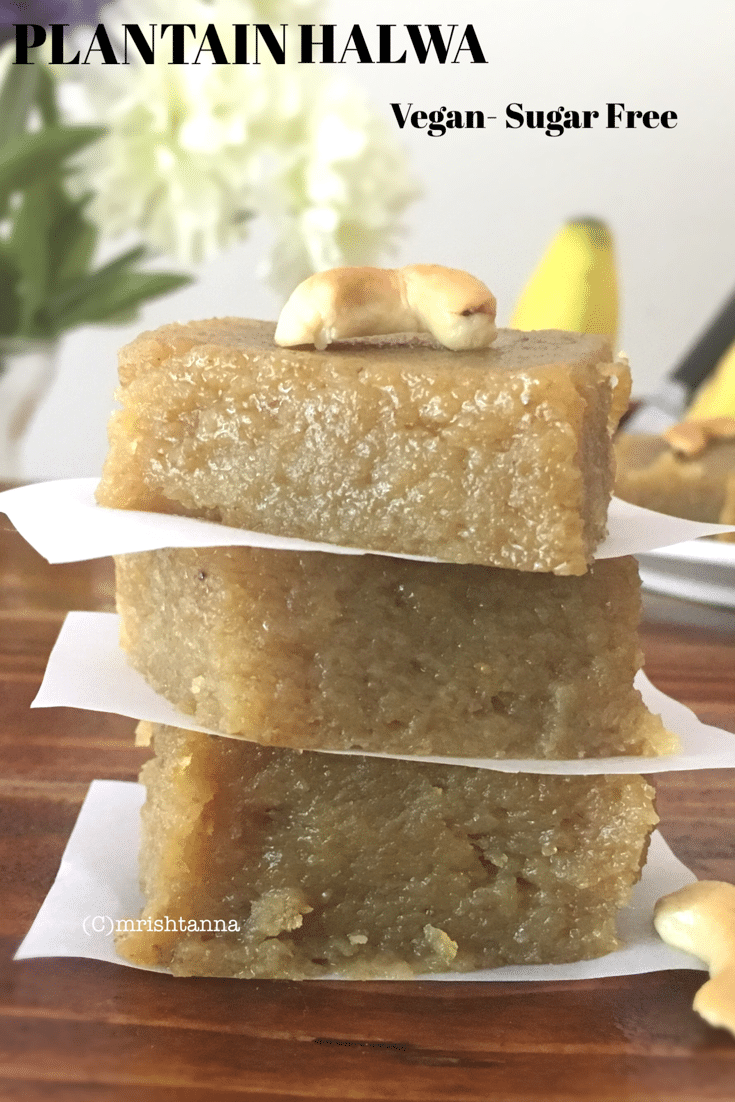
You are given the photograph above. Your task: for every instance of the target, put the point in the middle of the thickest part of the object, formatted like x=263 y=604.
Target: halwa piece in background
x=700 y=486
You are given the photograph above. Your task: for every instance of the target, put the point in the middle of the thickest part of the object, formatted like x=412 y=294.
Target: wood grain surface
x=77 y=1030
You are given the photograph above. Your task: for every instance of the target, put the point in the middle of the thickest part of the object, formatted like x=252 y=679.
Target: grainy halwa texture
x=323 y=651
x=500 y=456
x=372 y=868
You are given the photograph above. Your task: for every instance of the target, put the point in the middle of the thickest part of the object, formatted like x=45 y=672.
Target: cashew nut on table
x=700 y=919
x=457 y=309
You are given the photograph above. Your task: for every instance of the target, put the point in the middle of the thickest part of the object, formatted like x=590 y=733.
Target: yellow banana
x=575 y=285
x=716 y=396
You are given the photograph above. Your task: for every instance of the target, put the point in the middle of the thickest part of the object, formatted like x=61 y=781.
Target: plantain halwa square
x=499 y=456
x=379 y=654
x=259 y=862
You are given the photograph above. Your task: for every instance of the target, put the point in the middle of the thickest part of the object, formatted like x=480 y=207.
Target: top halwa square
x=500 y=456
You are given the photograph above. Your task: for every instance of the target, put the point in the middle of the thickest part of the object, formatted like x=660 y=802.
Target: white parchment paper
x=88 y=670
x=97 y=885
x=62 y=521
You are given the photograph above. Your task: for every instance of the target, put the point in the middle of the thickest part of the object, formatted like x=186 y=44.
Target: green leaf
x=73 y=238
x=52 y=244
x=25 y=158
x=125 y=260
x=29 y=244
x=108 y=295
x=9 y=305
x=46 y=98
x=17 y=96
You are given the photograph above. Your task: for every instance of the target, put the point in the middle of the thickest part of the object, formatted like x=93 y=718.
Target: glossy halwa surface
x=369 y=868
x=324 y=651
x=500 y=456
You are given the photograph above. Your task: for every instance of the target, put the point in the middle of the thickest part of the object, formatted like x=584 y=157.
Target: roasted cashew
x=691 y=438
x=457 y=309
x=700 y=919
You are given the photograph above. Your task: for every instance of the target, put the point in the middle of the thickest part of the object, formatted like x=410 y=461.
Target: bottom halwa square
x=96 y=887
x=272 y=863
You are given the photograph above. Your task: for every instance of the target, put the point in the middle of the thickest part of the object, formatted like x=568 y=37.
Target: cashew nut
x=700 y=919
x=457 y=309
x=690 y=438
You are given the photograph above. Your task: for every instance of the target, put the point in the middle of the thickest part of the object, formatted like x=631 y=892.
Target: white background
x=493 y=199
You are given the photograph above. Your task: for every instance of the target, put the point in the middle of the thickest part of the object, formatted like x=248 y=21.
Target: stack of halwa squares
x=515 y=644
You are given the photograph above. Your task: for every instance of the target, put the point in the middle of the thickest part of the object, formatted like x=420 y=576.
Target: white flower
x=344 y=192
x=192 y=152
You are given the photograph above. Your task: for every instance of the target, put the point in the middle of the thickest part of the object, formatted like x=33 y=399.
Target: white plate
x=701 y=570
